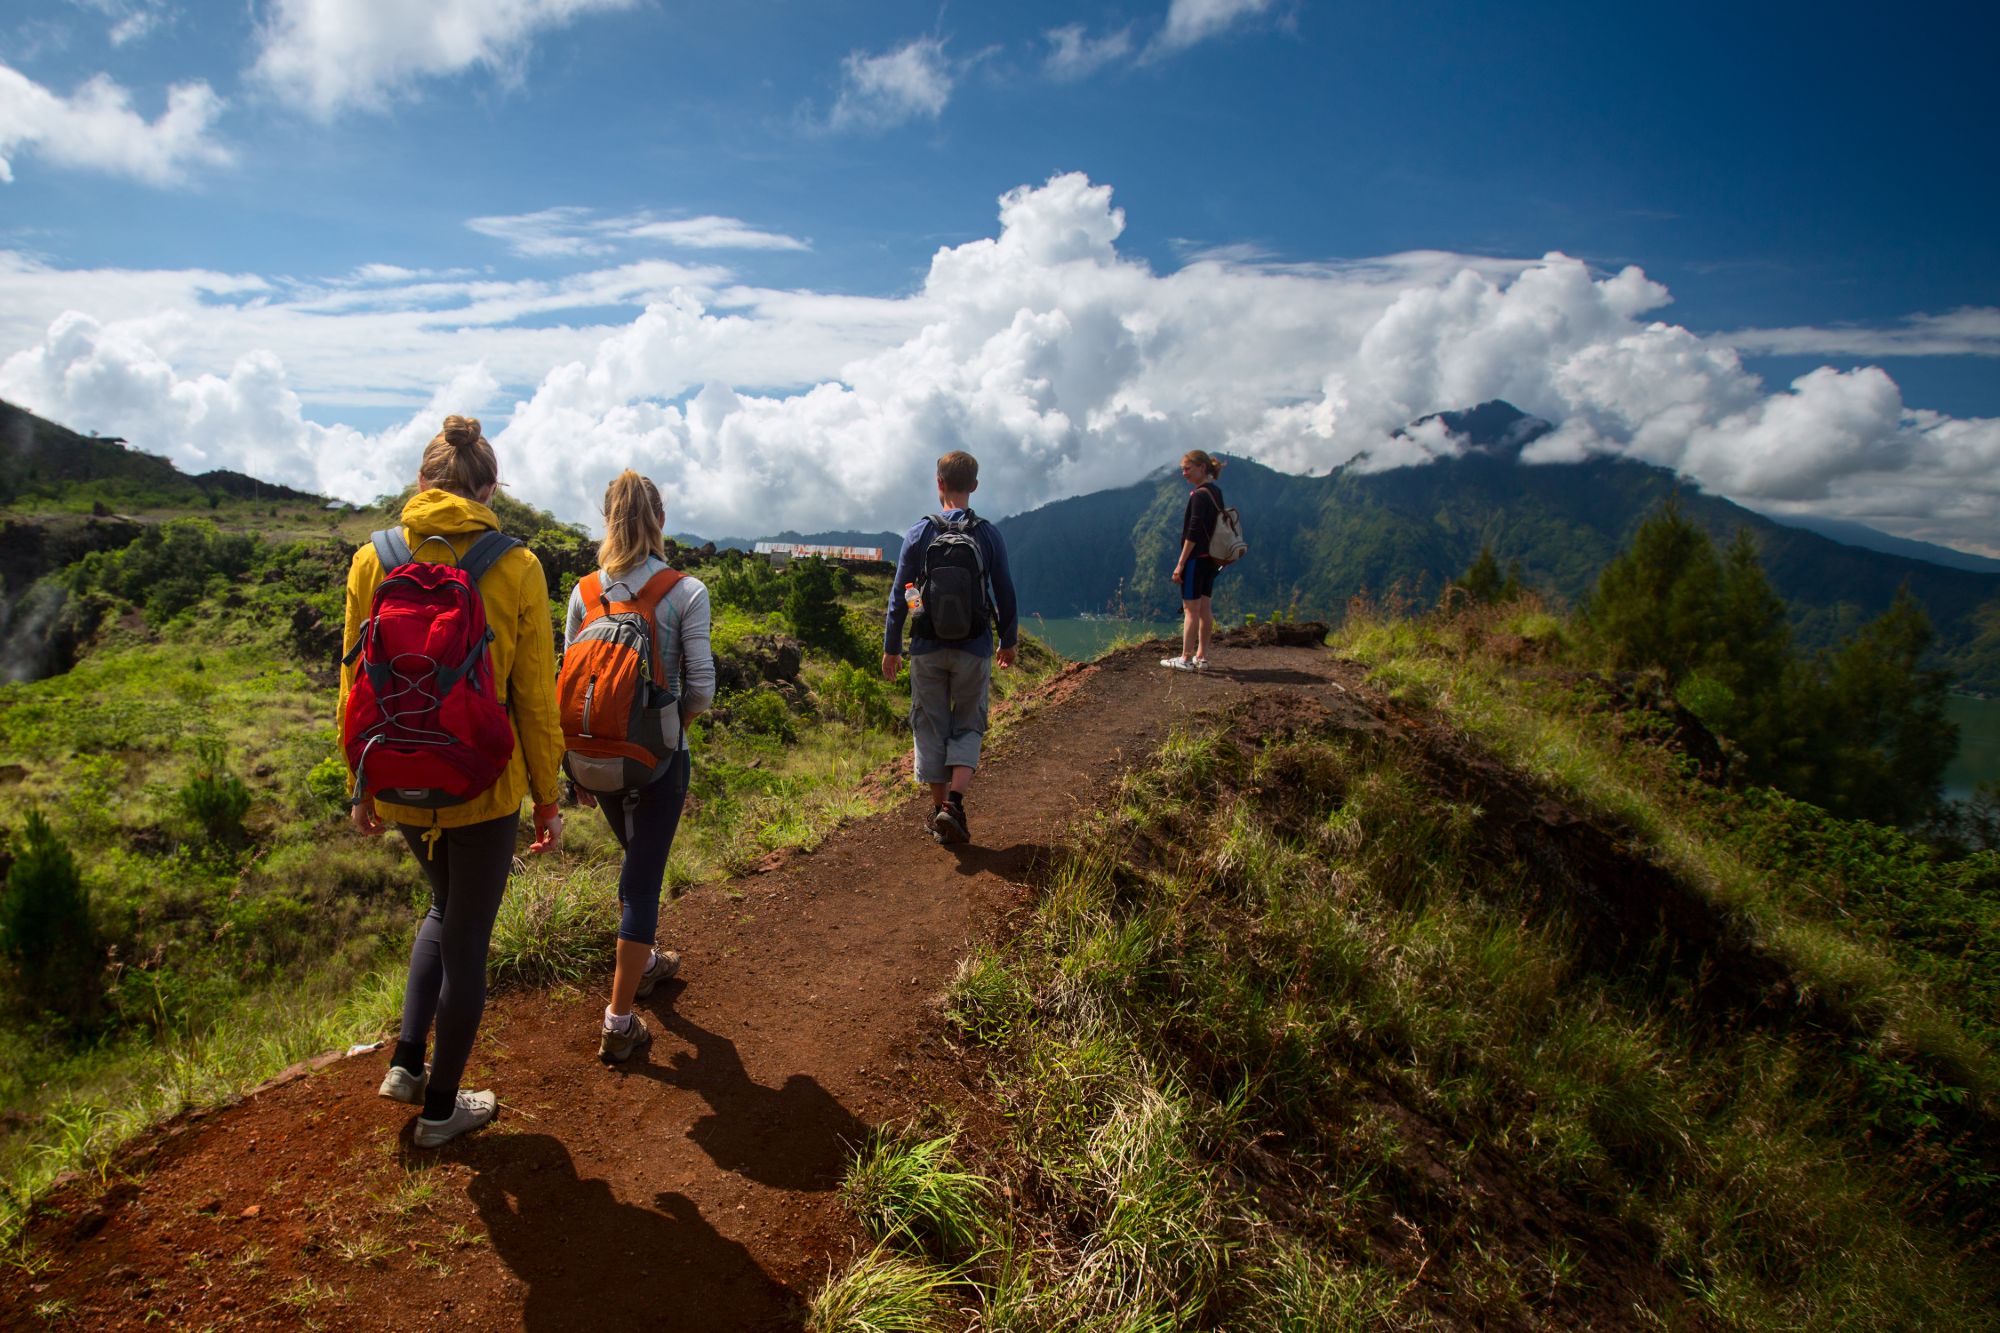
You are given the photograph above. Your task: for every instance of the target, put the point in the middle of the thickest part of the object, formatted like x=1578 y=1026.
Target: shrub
x=327 y=785
x=213 y=798
x=45 y=924
x=812 y=607
x=761 y=713
x=854 y=696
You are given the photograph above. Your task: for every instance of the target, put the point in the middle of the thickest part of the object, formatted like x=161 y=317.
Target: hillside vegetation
x=185 y=910
x=1472 y=1007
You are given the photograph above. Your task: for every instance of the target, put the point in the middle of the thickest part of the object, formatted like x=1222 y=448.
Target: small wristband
x=549 y=811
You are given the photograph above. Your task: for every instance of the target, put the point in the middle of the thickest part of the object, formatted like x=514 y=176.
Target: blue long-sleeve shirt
x=909 y=569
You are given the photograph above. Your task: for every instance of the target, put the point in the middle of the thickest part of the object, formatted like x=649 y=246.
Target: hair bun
x=461 y=432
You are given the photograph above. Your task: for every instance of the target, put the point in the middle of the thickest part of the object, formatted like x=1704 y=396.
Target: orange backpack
x=621 y=720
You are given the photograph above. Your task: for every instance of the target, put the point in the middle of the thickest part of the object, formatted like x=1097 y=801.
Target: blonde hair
x=458 y=459
x=633 y=517
x=958 y=472
x=1207 y=461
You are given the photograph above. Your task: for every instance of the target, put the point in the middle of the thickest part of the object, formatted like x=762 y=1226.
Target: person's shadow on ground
x=793 y=1137
x=1266 y=676
x=1015 y=864
x=593 y=1263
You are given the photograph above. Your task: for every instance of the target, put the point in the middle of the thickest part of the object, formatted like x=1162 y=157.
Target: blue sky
x=781 y=254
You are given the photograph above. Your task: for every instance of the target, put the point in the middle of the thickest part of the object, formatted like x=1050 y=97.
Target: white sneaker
x=470 y=1111
x=1197 y=664
x=400 y=1085
x=1177 y=663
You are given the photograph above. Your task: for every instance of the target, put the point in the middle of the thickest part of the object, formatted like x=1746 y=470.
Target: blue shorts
x=1198 y=578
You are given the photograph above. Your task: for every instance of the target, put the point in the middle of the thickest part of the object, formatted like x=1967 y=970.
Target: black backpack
x=953 y=582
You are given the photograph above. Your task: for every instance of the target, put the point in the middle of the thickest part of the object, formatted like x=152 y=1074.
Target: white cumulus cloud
x=97 y=129
x=1193 y=21
x=912 y=81
x=1065 y=364
x=328 y=55
x=248 y=420
x=1073 y=54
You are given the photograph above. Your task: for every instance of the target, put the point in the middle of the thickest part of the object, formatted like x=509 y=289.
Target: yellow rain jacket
x=516 y=593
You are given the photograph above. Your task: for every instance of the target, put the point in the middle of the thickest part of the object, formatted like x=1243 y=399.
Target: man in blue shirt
x=949 y=678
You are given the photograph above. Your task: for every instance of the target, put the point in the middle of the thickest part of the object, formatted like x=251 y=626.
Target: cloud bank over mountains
x=1064 y=364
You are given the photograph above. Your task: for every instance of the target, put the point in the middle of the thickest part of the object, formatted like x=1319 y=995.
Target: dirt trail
x=691 y=1190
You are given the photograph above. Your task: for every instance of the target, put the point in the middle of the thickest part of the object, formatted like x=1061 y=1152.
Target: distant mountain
x=890 y=542
x=1872 y=539
x=1317 y=541
x=42 y=460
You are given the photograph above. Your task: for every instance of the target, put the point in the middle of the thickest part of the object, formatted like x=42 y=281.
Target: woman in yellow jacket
x=467 y=850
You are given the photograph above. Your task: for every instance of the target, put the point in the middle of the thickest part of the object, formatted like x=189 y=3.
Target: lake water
x=1978 y=744
x=1082 y=640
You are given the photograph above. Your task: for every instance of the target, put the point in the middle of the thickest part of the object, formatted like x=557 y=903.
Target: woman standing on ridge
x=1194 y=571
x=465 y=845
x=633 y=573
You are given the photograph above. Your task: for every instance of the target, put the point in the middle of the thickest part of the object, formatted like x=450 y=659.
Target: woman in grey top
x=633 y=551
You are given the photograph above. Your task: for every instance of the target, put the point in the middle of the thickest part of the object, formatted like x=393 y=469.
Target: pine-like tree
x=1876 y=738
x=1655 y=604
x=45 y=929
x=1482 y=582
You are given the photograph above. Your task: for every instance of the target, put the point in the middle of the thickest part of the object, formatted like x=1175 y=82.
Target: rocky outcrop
x=761 y=659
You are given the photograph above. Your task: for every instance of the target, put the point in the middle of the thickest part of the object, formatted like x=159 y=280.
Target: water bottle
x=913 y=597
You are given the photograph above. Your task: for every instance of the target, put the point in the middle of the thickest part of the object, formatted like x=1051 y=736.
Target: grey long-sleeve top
x=680 y=632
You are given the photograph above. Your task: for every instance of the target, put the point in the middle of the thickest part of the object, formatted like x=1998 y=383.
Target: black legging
x=467 y=867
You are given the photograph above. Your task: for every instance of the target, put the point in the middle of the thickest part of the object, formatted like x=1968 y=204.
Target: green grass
x=881 y=1293
x=188 y=760
x=1289 y=1039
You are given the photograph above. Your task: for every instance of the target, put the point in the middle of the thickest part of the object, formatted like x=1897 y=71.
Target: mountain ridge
x=1315 y=541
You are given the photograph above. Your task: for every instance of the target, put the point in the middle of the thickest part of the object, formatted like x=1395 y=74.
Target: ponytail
x=633 y=519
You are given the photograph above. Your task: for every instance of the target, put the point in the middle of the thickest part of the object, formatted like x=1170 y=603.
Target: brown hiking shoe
x=664 y=965
x=615 y=1048
x=949 y=825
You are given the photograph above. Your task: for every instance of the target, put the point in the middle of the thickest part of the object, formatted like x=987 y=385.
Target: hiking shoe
x=615 y=1048
x=469 y=1111
x=1177 y=663
x=949 y=825
x=400 y=1085
x=664 y=965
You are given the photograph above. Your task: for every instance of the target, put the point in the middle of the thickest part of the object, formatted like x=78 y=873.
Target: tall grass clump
x=911 y=1188
x=554 y=924
x=881 y=1293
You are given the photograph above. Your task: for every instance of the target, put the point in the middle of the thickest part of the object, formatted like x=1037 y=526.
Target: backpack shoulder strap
x=656 y=590
x=648 y=600
x=390 y=548
x=484 y=553
x=590 y=591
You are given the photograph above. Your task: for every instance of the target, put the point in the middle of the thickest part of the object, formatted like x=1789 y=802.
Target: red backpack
x=424 y=725
x=620 y=718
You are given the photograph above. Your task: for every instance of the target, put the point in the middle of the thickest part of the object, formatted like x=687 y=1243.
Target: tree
x=45 y=926
x=1655 y=603
x=1877 y=740
x=1739 y=685
x=812 y=607
x=1483 y=582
